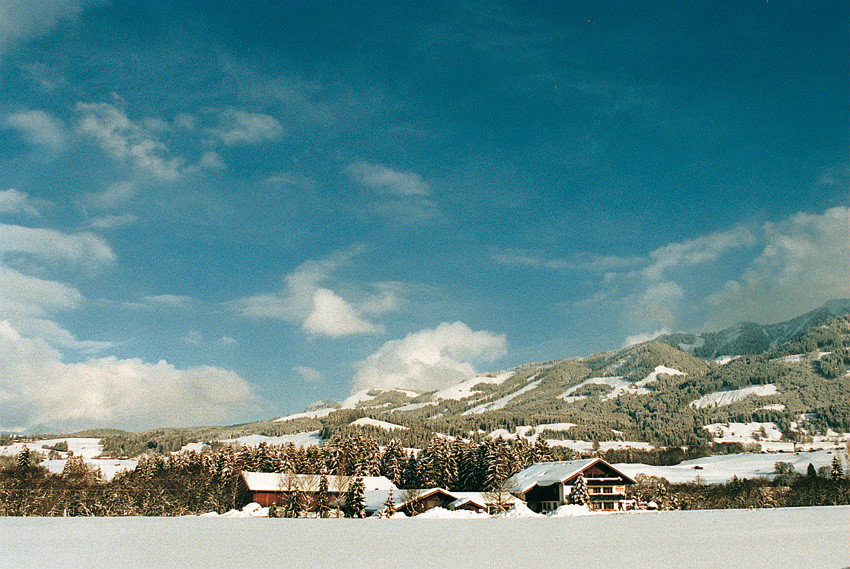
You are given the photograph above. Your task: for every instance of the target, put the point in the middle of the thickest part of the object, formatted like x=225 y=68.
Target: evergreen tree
x=837 y=472
x=579 y=494
x=411 y=477
x=389 y=506
x=25 y=459
x=355 y=501
x=323 y=498
x=811 y=472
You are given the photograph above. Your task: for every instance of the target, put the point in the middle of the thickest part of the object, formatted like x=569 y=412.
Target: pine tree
x=323 y=499
x=579 y=494
x=355 y=501
x=24 y=459
x=389 y=506
x=837 y=471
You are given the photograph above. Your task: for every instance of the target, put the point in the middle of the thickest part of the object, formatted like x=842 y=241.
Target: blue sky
x=214 y=212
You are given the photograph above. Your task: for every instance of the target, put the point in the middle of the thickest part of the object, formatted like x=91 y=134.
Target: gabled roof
x=281 y=482
x=548 y=473
x=421 y=494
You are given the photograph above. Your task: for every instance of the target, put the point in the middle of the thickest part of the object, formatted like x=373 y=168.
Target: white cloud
x=137 y=142
x=227 y=342
x=107 y=222
x=308 y=374
x=13 y=201
x=37 y=387
x=644 y=337
x=404 y=196
x=317 y=308
x=79 y=248
x=698 y=251
x=23 y=295
x=115 y=195
x=126 y=140
x=333 y=316
x=23 y=19
x=39 y=128
x=240 y=127
x=389 y=181
x=803 y=262
x=429 y=359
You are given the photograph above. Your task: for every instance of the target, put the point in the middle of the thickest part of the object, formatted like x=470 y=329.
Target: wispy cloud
x=241 y=127
x=389 y=181
x=82 y=248
x=15 y=202
x=138 y=142
x=20 y=21
x=309 y=374
x=40 y=129
x=400 y=195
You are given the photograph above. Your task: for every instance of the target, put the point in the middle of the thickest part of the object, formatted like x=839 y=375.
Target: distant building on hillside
x=547 y=485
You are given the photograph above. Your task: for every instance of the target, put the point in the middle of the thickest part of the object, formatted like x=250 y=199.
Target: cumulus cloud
x=39 y=128
x=24 y=295
x=318 y=309
x=429 y=359
x=38 y=388
x=240 y=127
x=333 y=316
x=803 y=262
x=763 y=273
x=15 y=202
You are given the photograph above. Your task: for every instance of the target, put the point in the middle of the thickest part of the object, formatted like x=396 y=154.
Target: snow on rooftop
x=721 y=398
x=465 y=388
x=501 y=403
x=546 y=473
x=368 y=421
x=276 y=481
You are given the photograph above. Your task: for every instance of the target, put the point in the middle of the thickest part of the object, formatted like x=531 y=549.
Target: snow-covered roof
x=276 y=482
x=548 y=473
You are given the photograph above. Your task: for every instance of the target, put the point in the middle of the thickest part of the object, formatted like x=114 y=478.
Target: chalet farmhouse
x=547 y=485
x=267 y=488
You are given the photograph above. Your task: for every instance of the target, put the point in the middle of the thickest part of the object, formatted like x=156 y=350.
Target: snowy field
x=789 y=537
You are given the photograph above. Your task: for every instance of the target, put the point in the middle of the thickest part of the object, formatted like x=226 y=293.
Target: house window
x=608 y=490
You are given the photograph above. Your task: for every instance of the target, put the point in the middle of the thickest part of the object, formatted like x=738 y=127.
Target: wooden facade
x=547 y=486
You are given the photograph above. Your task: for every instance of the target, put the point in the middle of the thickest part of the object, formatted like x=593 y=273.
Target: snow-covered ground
x=464 y=388
x=85 y=447
x=368 y=421
x=721 y=398
x=786 y=537
x=314 y=414
x=300 y=439
x=619 y=385
x=501 y=403
x=720 y=468
x=108 y=467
